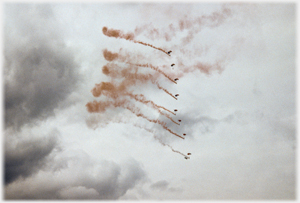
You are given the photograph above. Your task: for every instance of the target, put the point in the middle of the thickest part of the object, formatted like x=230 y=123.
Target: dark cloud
x=160 y=185
x=39 y=69
x=80 y=178
x=24 y=157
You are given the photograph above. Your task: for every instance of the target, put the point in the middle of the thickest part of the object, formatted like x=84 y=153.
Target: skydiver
x=189 y=153
x=176 y=79
x=175 y=109
x=186 y=157
x=176 y=95
x=184 y=134
x=173 y=64
x=179 y=120
x=169 y=52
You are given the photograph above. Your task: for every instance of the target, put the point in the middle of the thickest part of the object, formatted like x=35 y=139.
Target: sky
x=89 y=100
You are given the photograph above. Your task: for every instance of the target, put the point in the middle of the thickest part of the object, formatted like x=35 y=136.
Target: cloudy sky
x=89 y=101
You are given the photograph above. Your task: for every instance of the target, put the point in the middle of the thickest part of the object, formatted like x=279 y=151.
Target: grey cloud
x=80 y=178
x=164 y=186
x=160 y=185
x=39 y=70
x=25 y=157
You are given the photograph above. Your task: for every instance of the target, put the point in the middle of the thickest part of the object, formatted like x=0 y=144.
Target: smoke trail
x=163 y=124
x=166 y=91
x=166 y=115
x=109 y=89
x=205 y=68
x=172 y=132
x=109 y=56
x=117 y=34
x=113 y=71
x=156 y=69
x=129 y=36
x=97 y=106
x=141 y=98
x=151 y=46
x=176 y=150
x=193 y=26
x=160 y=141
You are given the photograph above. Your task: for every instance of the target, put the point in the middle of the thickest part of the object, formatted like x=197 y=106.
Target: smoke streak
x=160 y=141
x=151 y=46
x=163 y=124
x=193 y=26
x=176 y=151
x=109 y=89
x=113 y=71
x=101 y=106
x=129 y=36
x=156 y=69
x=141 y=98
x=166 y=91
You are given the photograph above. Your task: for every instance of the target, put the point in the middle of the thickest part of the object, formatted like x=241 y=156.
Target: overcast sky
x=89 y=101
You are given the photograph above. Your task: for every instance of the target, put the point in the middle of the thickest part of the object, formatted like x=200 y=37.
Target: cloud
x=75 y=175
x=159 y=185
x=39 y=69
x=26 y=156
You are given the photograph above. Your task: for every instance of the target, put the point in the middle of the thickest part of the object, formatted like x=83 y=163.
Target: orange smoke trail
x=156 y=69
x=117 y=34
x=151 y=46
x=109 y=89
x=111 y=69
x=163 y=124
x=109 y=56
x=101 y=106
x=97 y=106
x=172 y=132
x=166 y=91
x=129 y=36
x=166 y=115
x=142 y=99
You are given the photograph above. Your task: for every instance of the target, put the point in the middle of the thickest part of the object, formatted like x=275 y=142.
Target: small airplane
x=169 y=52
x=176 y=79
x=176 y=95
x=173 y=64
